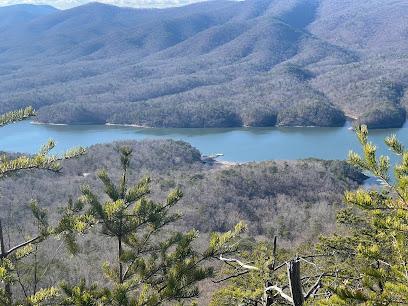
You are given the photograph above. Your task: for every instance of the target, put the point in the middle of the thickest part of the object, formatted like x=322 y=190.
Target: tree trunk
x=7 y=286
x=295 y=283
x=120 y=262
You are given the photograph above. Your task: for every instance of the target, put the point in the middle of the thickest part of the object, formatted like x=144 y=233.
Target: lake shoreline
x=236 y=144
x=349 y=123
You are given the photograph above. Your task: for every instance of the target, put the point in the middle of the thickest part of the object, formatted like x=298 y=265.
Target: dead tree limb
x=240 y=263
x=312 y=291
x=281 y=293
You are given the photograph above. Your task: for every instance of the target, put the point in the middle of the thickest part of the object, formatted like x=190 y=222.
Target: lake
x=238 y=145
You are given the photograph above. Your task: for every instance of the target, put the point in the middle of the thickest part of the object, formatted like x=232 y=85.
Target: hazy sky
x=71 y=3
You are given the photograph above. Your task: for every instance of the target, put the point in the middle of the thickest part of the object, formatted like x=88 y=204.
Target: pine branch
x=17 y=115
x=230 y=277
x=21 y=245
x=38 y=161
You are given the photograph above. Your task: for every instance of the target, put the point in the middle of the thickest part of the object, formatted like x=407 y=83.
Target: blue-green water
x=239 y=145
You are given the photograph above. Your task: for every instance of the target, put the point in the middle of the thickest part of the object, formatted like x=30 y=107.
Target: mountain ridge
x=210 y=64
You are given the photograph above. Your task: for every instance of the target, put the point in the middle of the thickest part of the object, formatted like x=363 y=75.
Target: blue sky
x=63 y=4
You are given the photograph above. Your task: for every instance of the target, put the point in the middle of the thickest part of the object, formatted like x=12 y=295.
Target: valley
x=218 y=153
x=257 y=63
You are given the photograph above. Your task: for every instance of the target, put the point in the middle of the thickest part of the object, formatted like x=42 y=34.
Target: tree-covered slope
x=272 y=197
x=211 y=64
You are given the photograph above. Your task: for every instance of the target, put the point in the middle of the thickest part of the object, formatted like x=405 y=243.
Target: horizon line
x=125 y=5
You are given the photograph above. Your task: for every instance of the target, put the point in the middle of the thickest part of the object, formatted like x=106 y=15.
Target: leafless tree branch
x=281 y=293
x=240 y=263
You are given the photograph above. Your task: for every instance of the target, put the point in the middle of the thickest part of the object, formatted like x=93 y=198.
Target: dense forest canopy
x=272 y=197
x=211 y=64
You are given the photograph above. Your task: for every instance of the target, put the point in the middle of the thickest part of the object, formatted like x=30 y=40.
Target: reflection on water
x=240 y=145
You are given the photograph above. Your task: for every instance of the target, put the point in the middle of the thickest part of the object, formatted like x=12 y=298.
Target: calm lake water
x=239 y=145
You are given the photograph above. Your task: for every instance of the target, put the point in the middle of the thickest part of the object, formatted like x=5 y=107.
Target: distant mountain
x=211 y=64
x=16 y=15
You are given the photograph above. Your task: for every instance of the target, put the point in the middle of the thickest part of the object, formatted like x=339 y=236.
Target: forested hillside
x=296 y=200
x=212 y=64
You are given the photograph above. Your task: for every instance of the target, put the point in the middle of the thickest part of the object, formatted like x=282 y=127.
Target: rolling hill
x=210 y=64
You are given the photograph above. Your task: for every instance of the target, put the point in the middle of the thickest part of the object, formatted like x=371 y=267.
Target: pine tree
x=371 y=258
x=153 y=265
x=10 y=256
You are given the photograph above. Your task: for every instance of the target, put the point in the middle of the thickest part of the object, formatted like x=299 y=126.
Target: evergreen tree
x=371 y=258
x=153 y=265
x=9 y=256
